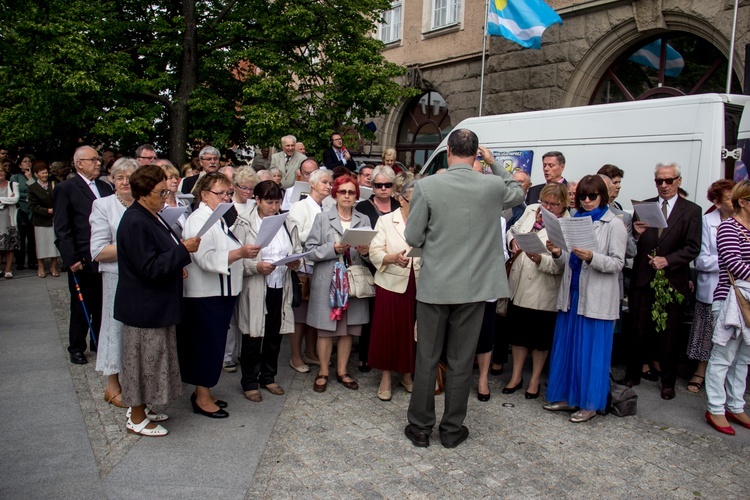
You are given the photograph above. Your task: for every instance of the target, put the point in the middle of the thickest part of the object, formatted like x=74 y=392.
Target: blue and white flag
x=521 y=21
x=650 y=55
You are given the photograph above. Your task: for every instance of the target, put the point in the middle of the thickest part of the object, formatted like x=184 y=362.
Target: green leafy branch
x=664 y=295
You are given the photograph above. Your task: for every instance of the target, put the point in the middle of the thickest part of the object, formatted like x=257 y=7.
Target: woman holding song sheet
x=589 y=305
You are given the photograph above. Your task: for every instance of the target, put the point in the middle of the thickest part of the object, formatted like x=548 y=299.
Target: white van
x=694 y=131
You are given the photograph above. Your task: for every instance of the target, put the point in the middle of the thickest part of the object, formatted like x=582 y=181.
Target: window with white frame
x=444 y=13
x=390 y=29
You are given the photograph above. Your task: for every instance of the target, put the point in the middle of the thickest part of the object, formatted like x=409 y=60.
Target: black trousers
x=259 y=357
x=646 y=343
x=91 y=290
x=28 y=242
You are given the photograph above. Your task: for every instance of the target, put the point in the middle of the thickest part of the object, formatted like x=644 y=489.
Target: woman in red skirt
x=392 y=345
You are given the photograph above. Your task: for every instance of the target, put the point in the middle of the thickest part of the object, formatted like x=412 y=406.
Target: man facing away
x=455 y=219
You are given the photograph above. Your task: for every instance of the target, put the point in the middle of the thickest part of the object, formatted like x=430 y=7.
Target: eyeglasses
x=210 y=159
x=244 y=189
x=96 y=159
x=553 y=205
x=383 y=185
x=163 y=193
x=149 y=158
x=122 y=178
x=669 y=181
x=589 y=197
x=222 y=194
x=348 y=192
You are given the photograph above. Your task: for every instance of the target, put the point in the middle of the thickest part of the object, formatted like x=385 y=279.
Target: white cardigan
x=209 y=274
x=104 y=220
x=10 y=203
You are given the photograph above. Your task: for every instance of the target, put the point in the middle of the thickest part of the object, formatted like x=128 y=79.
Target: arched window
x=666 y=65
x=424 y=124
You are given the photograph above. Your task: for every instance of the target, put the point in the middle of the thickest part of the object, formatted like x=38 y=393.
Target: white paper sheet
x=554 y=231
x=219 y=212
x=358 y=236
x=171 y=214
x=650 y=213
x=364 y=193
x=269 y=226
x=530 y=243
x=293 y=195
x=184 y=196
x=292 y=258
x=579 y=232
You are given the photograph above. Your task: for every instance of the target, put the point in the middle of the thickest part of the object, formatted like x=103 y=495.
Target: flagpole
x=731 y=47
x=484 y=53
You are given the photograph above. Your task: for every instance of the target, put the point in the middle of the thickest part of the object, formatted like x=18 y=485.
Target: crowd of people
x=175 y=299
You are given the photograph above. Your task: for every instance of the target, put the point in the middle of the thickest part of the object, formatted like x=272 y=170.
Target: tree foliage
x=184 y=72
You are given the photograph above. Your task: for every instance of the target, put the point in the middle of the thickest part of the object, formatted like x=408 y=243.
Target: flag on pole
x=650 y=56
x=521 y=21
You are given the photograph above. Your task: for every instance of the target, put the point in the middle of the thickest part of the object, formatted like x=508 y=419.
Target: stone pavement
x=61 y=440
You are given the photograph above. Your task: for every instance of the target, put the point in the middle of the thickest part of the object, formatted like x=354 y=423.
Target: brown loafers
x=253 y=396
x=352 y=384
x=274 y=389
x=112 y=399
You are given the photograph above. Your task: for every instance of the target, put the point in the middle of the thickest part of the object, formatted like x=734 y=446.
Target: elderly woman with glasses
x=534 y=281
x=392 y=346
x=106 y=214
x=245 y=179
x=380 y=203
x=344 y=319
x=150 y=262
x=214 y=279
x=589 y=305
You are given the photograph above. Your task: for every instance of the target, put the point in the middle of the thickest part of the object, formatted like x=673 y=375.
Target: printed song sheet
x=269 y=226
x=650 y=213
x=221 y=209
x=530 y=243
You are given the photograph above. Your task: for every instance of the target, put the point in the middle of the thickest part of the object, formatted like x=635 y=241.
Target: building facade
x=592 y=58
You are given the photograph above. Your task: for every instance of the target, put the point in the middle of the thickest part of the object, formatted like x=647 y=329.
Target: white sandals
x=151 y=415
x=142 y=430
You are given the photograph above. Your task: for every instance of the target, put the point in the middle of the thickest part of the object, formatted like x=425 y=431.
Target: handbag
x=622 y=400
x=361 y=281
x=304 y=280
x=296 y=290
x=741 y=300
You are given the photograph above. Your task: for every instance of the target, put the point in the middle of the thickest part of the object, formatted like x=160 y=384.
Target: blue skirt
x=580 y=359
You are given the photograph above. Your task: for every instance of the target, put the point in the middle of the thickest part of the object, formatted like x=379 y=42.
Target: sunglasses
x=589 y=197
x=381 y=185
x=347 y=192
x=669 y=182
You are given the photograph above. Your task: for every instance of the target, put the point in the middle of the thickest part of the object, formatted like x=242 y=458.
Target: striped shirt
x=733 y=244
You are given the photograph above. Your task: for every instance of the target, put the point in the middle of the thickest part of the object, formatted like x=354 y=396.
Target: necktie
x=663 y=211
x=287 y=160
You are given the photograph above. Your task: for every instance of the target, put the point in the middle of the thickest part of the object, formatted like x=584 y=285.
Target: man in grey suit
x=288 y=161
x=455 y=218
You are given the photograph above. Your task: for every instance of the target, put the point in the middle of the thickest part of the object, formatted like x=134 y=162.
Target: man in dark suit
x=72 y=204
x=553 y=164
x=209 y=158
x=337 y=155
x=461 y=269
x=674 y=247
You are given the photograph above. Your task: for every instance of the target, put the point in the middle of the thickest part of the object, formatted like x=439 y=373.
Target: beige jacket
x=390 y=239
x=531 y=286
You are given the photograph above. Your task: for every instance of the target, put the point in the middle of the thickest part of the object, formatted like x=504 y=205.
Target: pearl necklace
x=343 y=218
x=117 y=195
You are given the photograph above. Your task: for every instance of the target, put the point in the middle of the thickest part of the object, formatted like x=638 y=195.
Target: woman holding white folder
x=534 y=281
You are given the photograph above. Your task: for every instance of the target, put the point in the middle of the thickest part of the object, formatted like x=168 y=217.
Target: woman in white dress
x=105 y=219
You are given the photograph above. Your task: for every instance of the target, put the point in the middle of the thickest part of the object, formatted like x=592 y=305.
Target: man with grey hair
x=288 y=161
x=73 y=201
x=145 y=154
x=209 y=159
x=515 y=213
x=670 y=249
x=462 y=267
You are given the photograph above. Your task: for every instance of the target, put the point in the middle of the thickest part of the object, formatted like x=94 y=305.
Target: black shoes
x=483 y=397
x=78 y=358
x=651 y=375
x=460 y=439
x=667 y=393
x=511 y=390
x=220 y=413
x=220 y=403
x=418 y=439
x=496 y=371
x=364 y=368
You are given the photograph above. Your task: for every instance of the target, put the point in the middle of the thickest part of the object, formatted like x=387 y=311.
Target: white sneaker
x=230 y=367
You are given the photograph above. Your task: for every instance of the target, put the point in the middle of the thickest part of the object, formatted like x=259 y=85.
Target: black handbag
x=296 y=290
